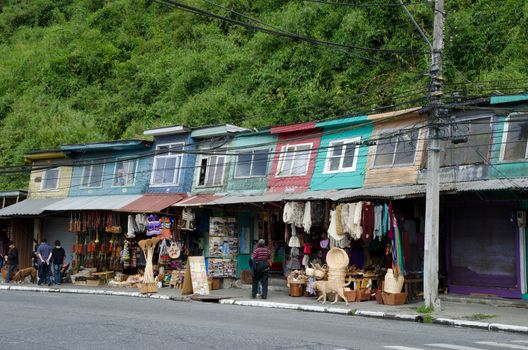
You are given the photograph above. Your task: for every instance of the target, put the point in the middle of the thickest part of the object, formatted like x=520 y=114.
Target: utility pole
x=432 y=198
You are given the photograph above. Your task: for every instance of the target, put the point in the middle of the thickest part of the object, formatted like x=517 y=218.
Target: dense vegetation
x=76 y=71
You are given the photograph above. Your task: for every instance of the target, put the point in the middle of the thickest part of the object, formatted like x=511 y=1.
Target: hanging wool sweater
x=357 y=230
x=339 y=220
x=367 y=221
x=293 y=213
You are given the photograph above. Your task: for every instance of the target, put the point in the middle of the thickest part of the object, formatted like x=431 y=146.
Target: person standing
x=261 y=263
x=12 y=261
x=44 y=257
x=58 y=255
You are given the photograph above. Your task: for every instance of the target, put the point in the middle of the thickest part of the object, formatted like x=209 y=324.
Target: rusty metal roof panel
x=153 y=202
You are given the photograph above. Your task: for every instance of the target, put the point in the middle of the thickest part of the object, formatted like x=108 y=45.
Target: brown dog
x=336 y=287
x=21 y=275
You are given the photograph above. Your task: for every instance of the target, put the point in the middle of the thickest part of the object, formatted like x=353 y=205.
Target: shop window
x=342 y=155
x=211 y=171
x=396 y=149
x=468 y=142
x=92 y=175
x=50 y=180
x=125 y=173
x=252 y=163
x=515 y=138
x=294 y=160
x=167 y=164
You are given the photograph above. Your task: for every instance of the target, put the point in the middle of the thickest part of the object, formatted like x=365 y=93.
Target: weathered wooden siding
x=36 y=177
x=397 y=175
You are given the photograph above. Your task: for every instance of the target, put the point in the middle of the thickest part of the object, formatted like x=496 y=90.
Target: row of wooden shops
x=482 y=235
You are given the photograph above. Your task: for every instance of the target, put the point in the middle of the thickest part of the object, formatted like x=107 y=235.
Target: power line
x=365 y=4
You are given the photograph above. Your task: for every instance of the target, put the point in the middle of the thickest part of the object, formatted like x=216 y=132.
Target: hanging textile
x=306 y=260
x=294 y=240
x=307 y=217
x=378 y=212
x=385 y=220
x=397 y=247
x=166 y=227
x=188 y=221
x=339 y=220
x=293 y=213
x=141 y=222
x=153 y=225
x=367 y=221
x=357 y=230
x=131 y=227
x=345 y=212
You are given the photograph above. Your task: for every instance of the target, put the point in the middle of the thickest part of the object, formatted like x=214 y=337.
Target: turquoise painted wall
x=144 y=167
x=500 y=169
x=353 y=179
x=248 y=142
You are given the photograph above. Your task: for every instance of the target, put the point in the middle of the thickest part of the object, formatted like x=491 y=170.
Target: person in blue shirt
x=44 y=261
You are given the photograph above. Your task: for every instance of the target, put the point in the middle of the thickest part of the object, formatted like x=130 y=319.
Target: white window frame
x=505 y=140
x=329 y=156
x=392 y=165
x=44 y=173
x=284 y=152
x=177 y=167
x=90 y=165
x=252 y=163
x=136 y=163
x=207 y=169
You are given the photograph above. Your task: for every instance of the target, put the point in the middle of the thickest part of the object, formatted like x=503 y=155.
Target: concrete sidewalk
x=458 y=311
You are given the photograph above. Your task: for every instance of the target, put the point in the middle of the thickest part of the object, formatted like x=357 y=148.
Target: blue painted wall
x=247 y=142
x=341 y=180
x=142 y=173
x=188 y=164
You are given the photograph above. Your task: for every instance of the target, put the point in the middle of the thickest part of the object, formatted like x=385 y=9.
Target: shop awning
x=28 y=207
x=251 y=198
x=199 y=200
x=93 y=203
x=153 y=202
x=392 y=192
x=311 y=195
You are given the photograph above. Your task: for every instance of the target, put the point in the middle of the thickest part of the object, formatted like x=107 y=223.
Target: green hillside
x=88 y=70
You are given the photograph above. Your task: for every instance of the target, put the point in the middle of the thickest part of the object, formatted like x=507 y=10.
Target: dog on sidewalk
x=21 y=275
x=325 y=287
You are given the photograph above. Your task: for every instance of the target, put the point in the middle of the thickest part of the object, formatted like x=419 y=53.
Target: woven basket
x=337 y=258
x=393 y=284
x=337 y=275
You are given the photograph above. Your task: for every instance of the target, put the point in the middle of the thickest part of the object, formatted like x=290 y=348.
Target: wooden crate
x=362 y=294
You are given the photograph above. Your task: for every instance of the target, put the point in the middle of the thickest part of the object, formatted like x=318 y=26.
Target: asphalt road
x=65 y=321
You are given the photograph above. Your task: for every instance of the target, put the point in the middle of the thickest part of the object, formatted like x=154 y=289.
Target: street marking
x=397 y=347
x=454 y=347
x=503 y=345
x=520 y=341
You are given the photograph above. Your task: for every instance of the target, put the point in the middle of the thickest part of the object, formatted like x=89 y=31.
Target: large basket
x=337 y=275
x=393 y=284
x=337 y=258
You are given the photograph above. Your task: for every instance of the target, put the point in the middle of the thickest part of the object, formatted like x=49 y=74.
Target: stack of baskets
x=337 y=260
x=392 y=289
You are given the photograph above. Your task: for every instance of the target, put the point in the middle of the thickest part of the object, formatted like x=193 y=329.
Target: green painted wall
x=353 y=179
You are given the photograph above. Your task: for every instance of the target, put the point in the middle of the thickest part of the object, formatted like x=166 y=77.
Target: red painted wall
x=294 y=183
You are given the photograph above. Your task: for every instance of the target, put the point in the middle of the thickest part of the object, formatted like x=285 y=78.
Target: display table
x=105 y=275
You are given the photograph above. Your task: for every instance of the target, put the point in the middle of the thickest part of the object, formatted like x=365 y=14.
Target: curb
x=91 y=292
x=381 y=315
x=287 y=306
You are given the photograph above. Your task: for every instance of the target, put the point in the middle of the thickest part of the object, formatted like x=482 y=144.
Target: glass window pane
x=406 y=148
x=169 y=170
x=479 y=142
x=333 y=163
x=243 y=164
x=219 y=171
x=516 y=139
x=203 y=171
x=336 y=148
x=302 y=158
x=211 y=169
x=260 y=163
x=120 y=174
x=385 y=151
x=51 y=179
x=96 y=178
x=350 y=151
x=287 y=162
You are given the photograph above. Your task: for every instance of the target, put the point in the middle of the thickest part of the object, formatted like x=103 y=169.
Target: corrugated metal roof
x=199 y=200
x=394 y=192
x=251 y=198
x=28 y=207
x=292 y=128
x=153 y=202
x=93 y=203
x=487 y=185
x=311 y=195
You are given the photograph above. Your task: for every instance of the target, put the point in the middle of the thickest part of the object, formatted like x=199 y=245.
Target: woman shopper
x=12 y=261
x=57 y=255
